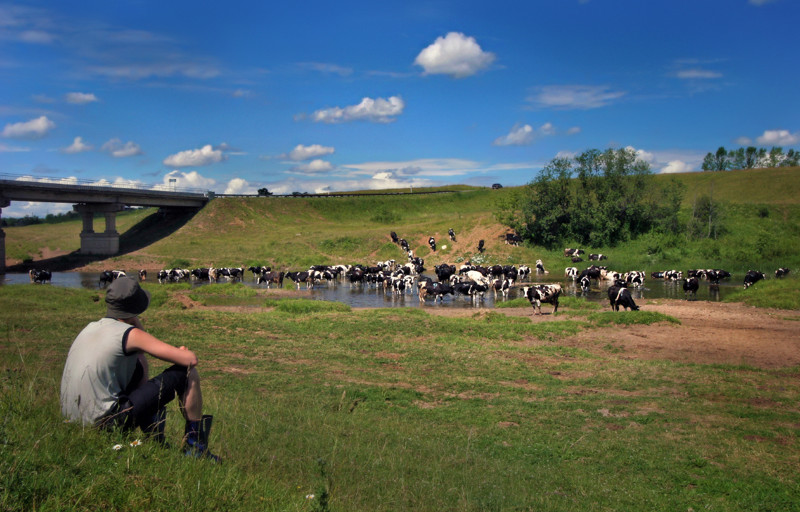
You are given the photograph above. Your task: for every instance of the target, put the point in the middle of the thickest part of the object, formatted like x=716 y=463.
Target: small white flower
x=116 y=447
x=136 y=443
x=309 y=496
x=444 y=247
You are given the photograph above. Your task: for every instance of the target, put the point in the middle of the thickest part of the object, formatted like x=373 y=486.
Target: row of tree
x=750 y=157
x=596 y=198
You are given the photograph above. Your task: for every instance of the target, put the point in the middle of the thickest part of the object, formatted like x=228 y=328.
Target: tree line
x=595 y=198
x=750 y=157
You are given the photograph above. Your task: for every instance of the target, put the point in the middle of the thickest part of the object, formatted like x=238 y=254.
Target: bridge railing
x=84 y=184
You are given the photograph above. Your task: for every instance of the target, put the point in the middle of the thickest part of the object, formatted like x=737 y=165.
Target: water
x=370 y=297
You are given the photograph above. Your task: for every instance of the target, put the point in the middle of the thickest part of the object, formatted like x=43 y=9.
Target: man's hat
x=126 y=299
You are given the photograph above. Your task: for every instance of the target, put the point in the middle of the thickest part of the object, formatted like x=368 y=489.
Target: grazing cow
x=513 y=239
x=394 y=237
x=107 y=276
x=577 y=259
x=571 y=272
x=752 y=277
x=781 y=272
x=162 y=276
x=40 y=276
x=592 y=272
x=432 y=243
x=597 y=257
x=403 y=244
x=510 y=272
x=538 y=294
x=540 y=267
x=451 y=234
x=271 y=277
x=480 y=246
x=142 y=275
x=634 y=277
x=619 y=295
x=573 y=252
x=690 y=285
x=585 y=282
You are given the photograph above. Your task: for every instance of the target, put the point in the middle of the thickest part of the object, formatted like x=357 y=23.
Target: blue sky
x=322 y=96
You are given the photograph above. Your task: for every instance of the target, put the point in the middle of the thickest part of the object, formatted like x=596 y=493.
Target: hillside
x=762 y=222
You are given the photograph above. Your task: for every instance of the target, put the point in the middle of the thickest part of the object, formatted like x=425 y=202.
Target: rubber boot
x=155 y=430
x=195 y=439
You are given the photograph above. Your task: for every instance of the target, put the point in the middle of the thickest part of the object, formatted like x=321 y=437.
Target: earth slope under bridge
x=89 y=200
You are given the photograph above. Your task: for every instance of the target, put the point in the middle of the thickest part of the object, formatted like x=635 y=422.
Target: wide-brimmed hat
x=126 y=299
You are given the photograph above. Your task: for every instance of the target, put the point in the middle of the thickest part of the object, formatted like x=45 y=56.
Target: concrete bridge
x=89 y=200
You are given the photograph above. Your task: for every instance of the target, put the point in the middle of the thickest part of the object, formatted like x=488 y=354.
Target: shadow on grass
x=151 y=229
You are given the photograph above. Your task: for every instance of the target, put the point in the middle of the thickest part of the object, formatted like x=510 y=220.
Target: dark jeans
x=137 y=407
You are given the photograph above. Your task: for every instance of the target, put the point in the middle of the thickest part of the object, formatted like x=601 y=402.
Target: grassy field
x=321 y=408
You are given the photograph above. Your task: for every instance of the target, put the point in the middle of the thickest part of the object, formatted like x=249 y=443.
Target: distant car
x=496 y=186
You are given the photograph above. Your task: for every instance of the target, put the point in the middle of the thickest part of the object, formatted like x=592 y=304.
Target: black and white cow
x=451 y=234
x=40 y=276
x=690 y=286
x=540 y=267
x=271 y=277
x=571 y=272
x=513 y=239
x=597 y=257
x=471 y=288
x=585 y=283
x=781 y=272
x=592 y=272
x=444 y=271
x=300 y=277
x=537 y=294
x=404 y=244
x=200 y=274
x=635 y=278
x=107 y=276
x=619 y=295
x=752 y=277
x=503 y=286
x=573 y=252
x=142 y=275
x=437 y=290
x=432 y=243
x=524 y=271
x=673 y=275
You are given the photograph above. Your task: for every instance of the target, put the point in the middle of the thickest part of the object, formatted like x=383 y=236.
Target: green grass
x=396 y=409
x=776 y=293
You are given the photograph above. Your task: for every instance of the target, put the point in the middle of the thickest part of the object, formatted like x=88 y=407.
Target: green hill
x=761 y=229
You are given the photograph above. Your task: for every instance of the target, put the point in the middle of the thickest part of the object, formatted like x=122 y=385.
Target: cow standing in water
x=690 y=286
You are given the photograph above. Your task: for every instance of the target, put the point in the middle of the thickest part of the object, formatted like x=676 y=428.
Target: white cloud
x=643 y=155
x=18 y=209
x=454 y=54
x=195 y=157
x=574 y=130
x=77 y=146
x=779 y=138
x=313 y=167
x=33 y=129
x=520 y=135
x=759 y=3
x=186 y=180
x=301 y=152
x=694 y=74
x=240 y=186
x=326 y=68
x=36 y=37
x=12 y=149
x=120 y=150
x=376 y=110
x=80 y=98
x=582 y=97
x=744 y=141
x=676 y=166
x=424 y=166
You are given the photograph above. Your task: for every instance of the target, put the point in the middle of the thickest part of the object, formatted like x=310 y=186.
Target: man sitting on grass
x=106 y=381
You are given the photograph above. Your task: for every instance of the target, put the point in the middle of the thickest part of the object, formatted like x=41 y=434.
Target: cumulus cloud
x=186 y=180
x=643 y=155
x=120 y=150
x=744 y=141
x=77 y=146
x=195 y=157
x=240 y=186
x=313 y=167
x=80 y=98
x=574 y=130
x=779 y=138
x=676 y=166
x=520 y=135
x=33 y=129
x=301 y=152
x=377 y=110
x=566 y=97
x=454 y=54
x=12 y=149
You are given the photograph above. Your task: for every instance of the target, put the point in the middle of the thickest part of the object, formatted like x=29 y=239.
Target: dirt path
x=710 y=332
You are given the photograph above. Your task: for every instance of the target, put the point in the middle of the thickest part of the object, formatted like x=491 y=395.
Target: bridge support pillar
x=105 y=243
x=3 y=204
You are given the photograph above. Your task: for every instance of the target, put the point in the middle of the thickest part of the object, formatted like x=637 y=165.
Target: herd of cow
x=472 y=281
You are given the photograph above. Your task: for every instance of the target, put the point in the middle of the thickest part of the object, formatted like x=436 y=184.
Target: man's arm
x=145 y=342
